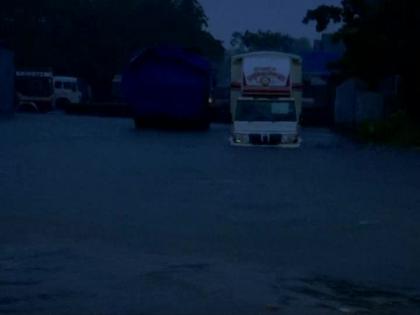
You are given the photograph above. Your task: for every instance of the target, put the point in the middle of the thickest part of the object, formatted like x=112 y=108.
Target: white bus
x=266 y=99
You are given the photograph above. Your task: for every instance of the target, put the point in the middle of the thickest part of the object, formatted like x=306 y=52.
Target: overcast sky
x=227 y=16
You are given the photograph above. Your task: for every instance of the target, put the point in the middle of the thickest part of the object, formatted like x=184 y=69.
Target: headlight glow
x=289 y=138
x=240 y=138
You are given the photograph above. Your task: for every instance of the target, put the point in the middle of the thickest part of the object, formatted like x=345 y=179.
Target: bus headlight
x=240 y=138
x=289 y=139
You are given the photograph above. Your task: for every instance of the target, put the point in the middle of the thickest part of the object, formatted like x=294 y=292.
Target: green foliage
x=323 y=15
x=268 y=40
x=379 y=36
x=398 y=130
x=95 y=38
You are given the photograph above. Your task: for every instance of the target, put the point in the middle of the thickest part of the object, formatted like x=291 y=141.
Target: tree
x=301 y=45
x=268 y=40
x=95 y=38
x=262 y=40
x=380 y=39
x=192 y=13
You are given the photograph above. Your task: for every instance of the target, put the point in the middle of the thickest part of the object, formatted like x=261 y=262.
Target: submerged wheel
x=137 y=123
x=62 y=104
x=28 y=108
x=204 y=122
x=204 y=125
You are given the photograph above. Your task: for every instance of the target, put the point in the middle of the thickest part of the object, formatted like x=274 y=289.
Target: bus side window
x=58 y=85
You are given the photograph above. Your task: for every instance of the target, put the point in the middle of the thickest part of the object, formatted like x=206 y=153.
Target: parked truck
x=34 y=90
x=266 y=99
x=168 y=87
x=69 y=91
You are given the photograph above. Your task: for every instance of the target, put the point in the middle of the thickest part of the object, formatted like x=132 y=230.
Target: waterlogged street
x=98 y=218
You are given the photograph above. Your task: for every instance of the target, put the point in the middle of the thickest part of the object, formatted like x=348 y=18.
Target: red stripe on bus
x=238 y=86
x=282 y=90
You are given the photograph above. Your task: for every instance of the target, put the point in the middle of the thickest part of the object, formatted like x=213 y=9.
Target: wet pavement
x=97 y=218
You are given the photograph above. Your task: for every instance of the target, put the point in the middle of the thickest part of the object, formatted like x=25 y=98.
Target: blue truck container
x=168 y=87
x=7 y=82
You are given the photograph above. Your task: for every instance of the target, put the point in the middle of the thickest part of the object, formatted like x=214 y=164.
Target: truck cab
x=266 y=99
x=67 y=91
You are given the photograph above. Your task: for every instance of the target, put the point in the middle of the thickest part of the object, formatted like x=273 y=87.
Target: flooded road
x=97 y=218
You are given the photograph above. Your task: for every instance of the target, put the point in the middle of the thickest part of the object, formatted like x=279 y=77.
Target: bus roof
x=266 y=53
x=66 y=78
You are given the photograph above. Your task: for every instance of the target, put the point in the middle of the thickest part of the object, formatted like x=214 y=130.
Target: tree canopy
x=380 y=39
x=268 y=40
x=95 y=38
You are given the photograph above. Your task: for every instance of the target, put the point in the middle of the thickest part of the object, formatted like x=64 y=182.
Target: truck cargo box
x=169 y=86
x=7 y=82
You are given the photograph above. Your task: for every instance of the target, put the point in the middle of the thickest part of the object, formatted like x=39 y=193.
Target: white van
x=67 y=91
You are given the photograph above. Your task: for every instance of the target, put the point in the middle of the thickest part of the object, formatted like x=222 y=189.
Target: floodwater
x=97 y=218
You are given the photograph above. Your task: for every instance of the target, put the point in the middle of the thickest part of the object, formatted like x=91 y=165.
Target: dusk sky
x=227 y=16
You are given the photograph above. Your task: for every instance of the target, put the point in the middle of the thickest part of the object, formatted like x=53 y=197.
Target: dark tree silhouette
x=94 y=39
x=268 y=40
x=380 y=39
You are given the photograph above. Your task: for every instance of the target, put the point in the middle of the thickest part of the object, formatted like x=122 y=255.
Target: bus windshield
x=266 y=111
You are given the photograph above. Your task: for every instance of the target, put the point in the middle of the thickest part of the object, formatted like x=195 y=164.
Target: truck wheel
x=28 y=108
x=62 y=103
x=137 y=123
x=204 y=124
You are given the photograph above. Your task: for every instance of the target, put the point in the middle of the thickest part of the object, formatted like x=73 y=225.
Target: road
x=97 y=218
